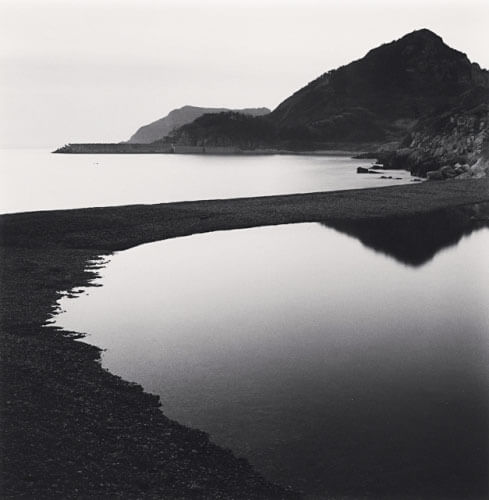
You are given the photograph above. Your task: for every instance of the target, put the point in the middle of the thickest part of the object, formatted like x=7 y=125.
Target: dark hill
x=179 y=117
x=225 y=129
x=381 y=95
x=414 y=103
x=407 y=92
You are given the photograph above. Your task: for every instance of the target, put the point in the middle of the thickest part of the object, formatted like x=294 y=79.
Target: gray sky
x=76 y=71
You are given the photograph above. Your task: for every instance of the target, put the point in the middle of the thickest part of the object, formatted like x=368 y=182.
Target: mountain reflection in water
x=414 y=240
x=329 y=366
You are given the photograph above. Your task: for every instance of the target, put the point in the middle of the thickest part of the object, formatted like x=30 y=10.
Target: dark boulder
x=365 y=170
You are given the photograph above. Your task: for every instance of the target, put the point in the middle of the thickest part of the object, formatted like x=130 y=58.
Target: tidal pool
x=337 y=368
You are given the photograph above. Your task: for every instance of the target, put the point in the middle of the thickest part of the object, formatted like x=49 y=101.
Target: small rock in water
x=365 y=170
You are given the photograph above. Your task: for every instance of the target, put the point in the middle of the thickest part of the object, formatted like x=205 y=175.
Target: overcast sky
x=78 y=71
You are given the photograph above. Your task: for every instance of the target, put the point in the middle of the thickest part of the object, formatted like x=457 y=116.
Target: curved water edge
x=385 y=367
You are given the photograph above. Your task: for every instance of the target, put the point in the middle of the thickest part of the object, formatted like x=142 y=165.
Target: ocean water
x=38 y=180
x=344 y=369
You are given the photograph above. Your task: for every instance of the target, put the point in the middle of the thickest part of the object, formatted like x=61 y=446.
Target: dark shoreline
x=71 y=429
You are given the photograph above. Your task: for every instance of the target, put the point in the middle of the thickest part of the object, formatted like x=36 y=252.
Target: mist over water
x=39 y=180
x=333 y=367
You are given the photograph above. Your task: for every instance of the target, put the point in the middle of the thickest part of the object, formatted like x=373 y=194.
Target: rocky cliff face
x=449 y=143
x=179 y=117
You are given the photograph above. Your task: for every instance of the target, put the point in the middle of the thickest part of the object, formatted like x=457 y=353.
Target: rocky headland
x=453 y=144
x=414 y=103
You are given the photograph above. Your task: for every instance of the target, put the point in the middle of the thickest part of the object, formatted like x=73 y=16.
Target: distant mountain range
x=414 y=103
x=181 y=116
x=378 y=99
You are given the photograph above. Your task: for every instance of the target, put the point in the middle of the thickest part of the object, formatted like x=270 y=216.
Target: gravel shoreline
x=69 y=428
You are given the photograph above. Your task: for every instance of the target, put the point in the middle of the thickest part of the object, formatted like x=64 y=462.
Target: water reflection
x=414 y=240
x=329 y=366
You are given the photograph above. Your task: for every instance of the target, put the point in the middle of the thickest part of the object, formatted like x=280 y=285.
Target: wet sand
x=71 y=429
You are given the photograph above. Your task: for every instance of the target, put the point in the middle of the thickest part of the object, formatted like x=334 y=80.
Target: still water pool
x=333 y=367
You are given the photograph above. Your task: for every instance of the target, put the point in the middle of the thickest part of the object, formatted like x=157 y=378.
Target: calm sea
x=38 y=180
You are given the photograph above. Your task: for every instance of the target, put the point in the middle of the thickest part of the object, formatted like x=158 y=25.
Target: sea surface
x=342 y=368
x=39 y=180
